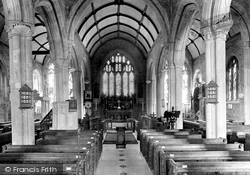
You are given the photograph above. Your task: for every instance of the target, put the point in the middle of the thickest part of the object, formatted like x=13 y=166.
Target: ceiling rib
x=121 y=24
x=140 y=23
x=143 y=28
x=111 y=15
x=118 y=17
x=96 y=24
x=119 y=38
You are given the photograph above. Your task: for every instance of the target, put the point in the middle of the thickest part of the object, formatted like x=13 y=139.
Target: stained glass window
x=118 y=77
x=70 y=85
x=51 y=89
x=37 y=86
x=118 y=84
x=125 y=83
x=105 y=83
x=131 y=83
x=184 y=84
x=232 y=79
x=166 y=89
x=36 y=80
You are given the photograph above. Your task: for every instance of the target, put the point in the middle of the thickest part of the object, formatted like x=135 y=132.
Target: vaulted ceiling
x=130 y=20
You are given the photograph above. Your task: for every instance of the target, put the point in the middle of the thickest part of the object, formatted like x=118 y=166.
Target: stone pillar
x=220 y=69
x=149 y=97
x=175 y=92
x=246 y=46
x=178 y=95
x=62 y=79
x=62 y=119
x=215 y=70
x=172 y=89
x=77 y=92
x=154 y=99
x=160 y=95
x=210 y=75
x=21 y=72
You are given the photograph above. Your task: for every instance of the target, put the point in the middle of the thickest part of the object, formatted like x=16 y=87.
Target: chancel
x=142 y=87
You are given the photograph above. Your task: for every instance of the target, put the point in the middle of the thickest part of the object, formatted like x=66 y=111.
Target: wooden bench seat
x=203 y=168
x=5 y=138
x=65 y=149
x=164 y=142
x=144 y=144
x=192 y=148
x=62 y=169
x=214 y=156
x=76 y=162
x=97 y=146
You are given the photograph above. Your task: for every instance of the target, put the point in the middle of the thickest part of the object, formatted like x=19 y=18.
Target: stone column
x=221 y=111
x=178 y=95
x=172 y=89
x=210 y=75
x=21 y=72
x=246 y=46
x=160 y=95
x=215 y=70
x=77 y=92
x=62 y=119
x=149 y=97
x=62 y=79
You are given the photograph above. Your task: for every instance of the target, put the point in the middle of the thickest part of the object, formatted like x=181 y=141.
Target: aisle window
x=232 y=79
x=51 y=89
x=184 y=85
x=118 y=77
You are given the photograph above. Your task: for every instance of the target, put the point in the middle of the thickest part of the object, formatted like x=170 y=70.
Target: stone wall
x=235 y=109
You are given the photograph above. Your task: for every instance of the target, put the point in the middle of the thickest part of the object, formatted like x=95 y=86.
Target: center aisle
x=122 y=161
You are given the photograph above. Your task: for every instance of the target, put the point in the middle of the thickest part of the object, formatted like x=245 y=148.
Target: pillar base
x=62 y=119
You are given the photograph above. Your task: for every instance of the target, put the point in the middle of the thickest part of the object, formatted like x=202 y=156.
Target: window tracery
x=232 y=79
x=118 y=77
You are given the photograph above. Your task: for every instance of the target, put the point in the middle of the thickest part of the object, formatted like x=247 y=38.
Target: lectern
x=171 y=117
x=120 y=137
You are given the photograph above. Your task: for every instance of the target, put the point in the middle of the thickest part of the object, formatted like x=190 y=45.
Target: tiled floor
x=122 y=161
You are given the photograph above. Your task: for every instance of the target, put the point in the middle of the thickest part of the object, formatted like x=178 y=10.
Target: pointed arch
x=52 y=16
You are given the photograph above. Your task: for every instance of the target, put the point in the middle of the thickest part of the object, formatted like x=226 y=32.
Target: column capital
x=76 y=73
x=60 y=63
x=207 y=32
x=223 y=26
x=219 y=29
x=19 y=28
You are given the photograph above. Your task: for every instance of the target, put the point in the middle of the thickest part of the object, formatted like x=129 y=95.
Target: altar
x=121 y=115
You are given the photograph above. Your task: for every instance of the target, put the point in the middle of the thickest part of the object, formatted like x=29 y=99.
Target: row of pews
x=174 y=152
x=68 y=152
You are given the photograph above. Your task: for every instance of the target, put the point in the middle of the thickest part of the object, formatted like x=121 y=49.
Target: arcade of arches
x=122 y=59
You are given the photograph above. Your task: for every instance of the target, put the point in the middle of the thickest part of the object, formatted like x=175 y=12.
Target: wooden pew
x=237 y=133
x=82 y=148
x=76 y=162
x=164 y=142
x=95 y=142
x=167 y=134
x=5 y=138
x=145 y=143
x=192 y=148
x=213 y=156
x=203 y=168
